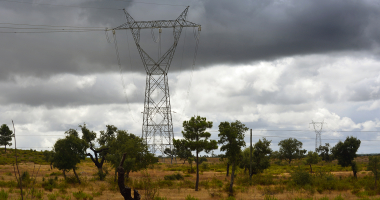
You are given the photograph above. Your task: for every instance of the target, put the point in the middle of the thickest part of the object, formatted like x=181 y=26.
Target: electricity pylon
x=318 y=130
x=157 y=128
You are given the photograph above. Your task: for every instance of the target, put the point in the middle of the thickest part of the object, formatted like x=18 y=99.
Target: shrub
x=36 y=193
x=49 y=184
x=81 y=195
x=301 y=177
x=176 y=176
x=167 y=183
x=25 y=178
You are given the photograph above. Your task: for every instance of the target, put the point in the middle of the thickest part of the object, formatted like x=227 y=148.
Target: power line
x=160 y=4
x=48 y=4
x=53 y=25
x=138 y=2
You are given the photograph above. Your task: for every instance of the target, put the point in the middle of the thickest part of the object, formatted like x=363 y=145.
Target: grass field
x=280 y=181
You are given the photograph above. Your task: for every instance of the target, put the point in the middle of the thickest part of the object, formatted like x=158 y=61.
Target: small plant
x=52 y=196
x=49 y=184
x=160 y=198
x=80 y=195
x=3 y=195
x=36 y=193
x=230 y=198
x=150 y=188
x=339 y=197
x=268 y=197
x=189 y=197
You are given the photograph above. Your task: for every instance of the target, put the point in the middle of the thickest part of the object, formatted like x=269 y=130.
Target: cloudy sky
x=275 y=65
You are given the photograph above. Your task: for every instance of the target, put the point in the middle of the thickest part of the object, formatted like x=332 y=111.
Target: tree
x=374 y=167
x=290 y=149
x=183 y=152
x=171 y=153
x=260 y=157
x=89 y=137
x=345 y=152
x=196 y=139
x=325 y=152
x=231 y=136
x=68 y=152
x=136 y=152
x=312 y=158
x=5 y=136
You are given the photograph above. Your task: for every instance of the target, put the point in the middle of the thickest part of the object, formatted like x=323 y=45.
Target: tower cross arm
x=156 y=24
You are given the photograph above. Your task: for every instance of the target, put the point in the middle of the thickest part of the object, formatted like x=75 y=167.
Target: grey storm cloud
x=232 y=32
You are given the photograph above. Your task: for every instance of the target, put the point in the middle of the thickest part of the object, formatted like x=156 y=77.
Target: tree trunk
x=376 y=182
x=5 y=148
x=232 y=180
x=76 y=175
x=197 y=181
x=125 y=191
x=311 y=170
x=127 y=176
x=64 y=174
x=228 y=168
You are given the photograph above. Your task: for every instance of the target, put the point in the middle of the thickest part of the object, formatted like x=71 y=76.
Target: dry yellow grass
x=87 y=170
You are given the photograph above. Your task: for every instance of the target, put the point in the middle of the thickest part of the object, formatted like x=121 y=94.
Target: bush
x=176 y=176
x=49 y=184
x=81 y=195
x=25 y=178
x=301 y=177
x=36 y=193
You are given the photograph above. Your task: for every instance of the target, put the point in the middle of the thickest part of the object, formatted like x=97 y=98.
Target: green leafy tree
x=231 y=137
x=290 y=149
x=99 y=153
x=325 y=152
x=312 y=158
x=345 y=152
x=182 y=151
x=5 y=136
x=68 y=152
x=136 y=152
x=261 y=152
x=197 y=139
x=107 y=135
x=374 y=167
x=171 y=153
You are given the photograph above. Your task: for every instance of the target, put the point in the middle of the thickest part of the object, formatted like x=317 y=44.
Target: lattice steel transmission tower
x=318 y=130
x=157 y=128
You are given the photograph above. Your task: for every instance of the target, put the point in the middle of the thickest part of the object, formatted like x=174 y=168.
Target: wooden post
x=250 y=158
